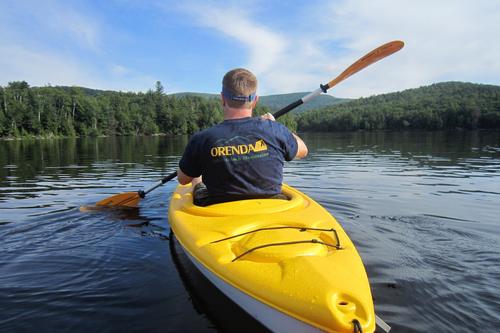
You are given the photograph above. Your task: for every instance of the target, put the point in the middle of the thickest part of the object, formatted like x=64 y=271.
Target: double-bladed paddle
x=131 y=199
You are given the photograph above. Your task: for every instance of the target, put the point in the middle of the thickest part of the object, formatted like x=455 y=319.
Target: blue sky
x=292 y=46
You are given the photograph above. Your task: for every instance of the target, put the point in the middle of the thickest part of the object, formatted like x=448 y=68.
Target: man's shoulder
x=278 y=126
x=206 y=133
x=209 y=130
x=266 y=123
x=225 y=128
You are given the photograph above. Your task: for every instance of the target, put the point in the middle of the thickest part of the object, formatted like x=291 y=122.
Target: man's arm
x=183 y=178
x=190 y=163
x=302 y=148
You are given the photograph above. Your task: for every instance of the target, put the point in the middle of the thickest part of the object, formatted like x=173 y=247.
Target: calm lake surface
x=423 y=209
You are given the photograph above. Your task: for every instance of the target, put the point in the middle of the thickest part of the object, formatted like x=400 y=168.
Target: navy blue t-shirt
x=240 y=157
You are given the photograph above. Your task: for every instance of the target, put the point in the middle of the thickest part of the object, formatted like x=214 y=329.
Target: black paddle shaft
x=169 y=177
x=142 y=193
x=322 y=89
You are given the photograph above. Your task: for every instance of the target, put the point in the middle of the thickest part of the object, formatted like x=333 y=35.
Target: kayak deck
x=291 y=255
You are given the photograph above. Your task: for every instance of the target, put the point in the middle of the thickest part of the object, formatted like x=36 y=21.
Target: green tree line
x=448 y=105
x=73 y=111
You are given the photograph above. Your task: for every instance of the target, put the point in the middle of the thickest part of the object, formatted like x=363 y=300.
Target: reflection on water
x=421 y=207
x=41 y=176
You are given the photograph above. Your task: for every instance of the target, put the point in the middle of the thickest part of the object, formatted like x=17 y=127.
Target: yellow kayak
x=288 y=263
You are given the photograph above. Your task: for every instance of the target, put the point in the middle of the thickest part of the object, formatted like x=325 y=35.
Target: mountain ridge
x=278 y=101
x=443 y=105
x=74 y=111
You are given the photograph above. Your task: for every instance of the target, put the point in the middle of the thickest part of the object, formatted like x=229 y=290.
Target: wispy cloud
x=41 y=68
x=445 y=40
x=265 y=47
x=291 y=47
x=66 y=48
x=85 y=29
x=284 y=61
x=26 y=53
x=119 y=70
x=62 y=21
x=276 y=58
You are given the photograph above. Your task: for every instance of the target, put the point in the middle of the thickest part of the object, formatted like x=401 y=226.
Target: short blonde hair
x=239 y=82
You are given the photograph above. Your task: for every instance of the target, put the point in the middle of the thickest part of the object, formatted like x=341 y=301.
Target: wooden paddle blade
x=127 y=199
x=373 y=56
x=92 y=208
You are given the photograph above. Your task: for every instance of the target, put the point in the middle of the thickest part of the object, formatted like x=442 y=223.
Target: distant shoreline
x=58 y=137
x=46 y=112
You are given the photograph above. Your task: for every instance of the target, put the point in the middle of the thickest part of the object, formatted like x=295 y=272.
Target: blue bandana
x=241 y=98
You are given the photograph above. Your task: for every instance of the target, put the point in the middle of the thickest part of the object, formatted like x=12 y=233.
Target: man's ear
x=255 y=102
x=222 y=99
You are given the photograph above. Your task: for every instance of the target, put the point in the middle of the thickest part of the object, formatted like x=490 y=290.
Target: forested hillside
x=278 y=101
x=447 y=105
x=73 y=111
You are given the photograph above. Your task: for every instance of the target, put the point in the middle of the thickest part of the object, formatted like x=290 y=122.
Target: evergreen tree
x=75 y=111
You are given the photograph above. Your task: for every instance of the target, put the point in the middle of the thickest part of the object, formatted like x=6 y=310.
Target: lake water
x=423 y=209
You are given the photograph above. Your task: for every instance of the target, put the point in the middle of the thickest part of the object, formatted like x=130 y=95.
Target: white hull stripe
x=273 y=319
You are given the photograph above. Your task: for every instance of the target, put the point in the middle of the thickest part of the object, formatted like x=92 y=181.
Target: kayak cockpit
x=241 y=207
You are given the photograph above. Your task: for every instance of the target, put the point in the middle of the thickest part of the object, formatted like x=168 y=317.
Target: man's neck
x=234 y=113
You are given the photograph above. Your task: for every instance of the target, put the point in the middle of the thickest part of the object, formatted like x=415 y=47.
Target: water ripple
x=422 y=211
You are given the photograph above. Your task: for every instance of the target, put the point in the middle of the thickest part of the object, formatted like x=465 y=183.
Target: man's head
x=239 y=87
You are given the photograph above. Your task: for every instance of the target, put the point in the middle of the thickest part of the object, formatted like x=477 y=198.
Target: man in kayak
x=242 y=157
